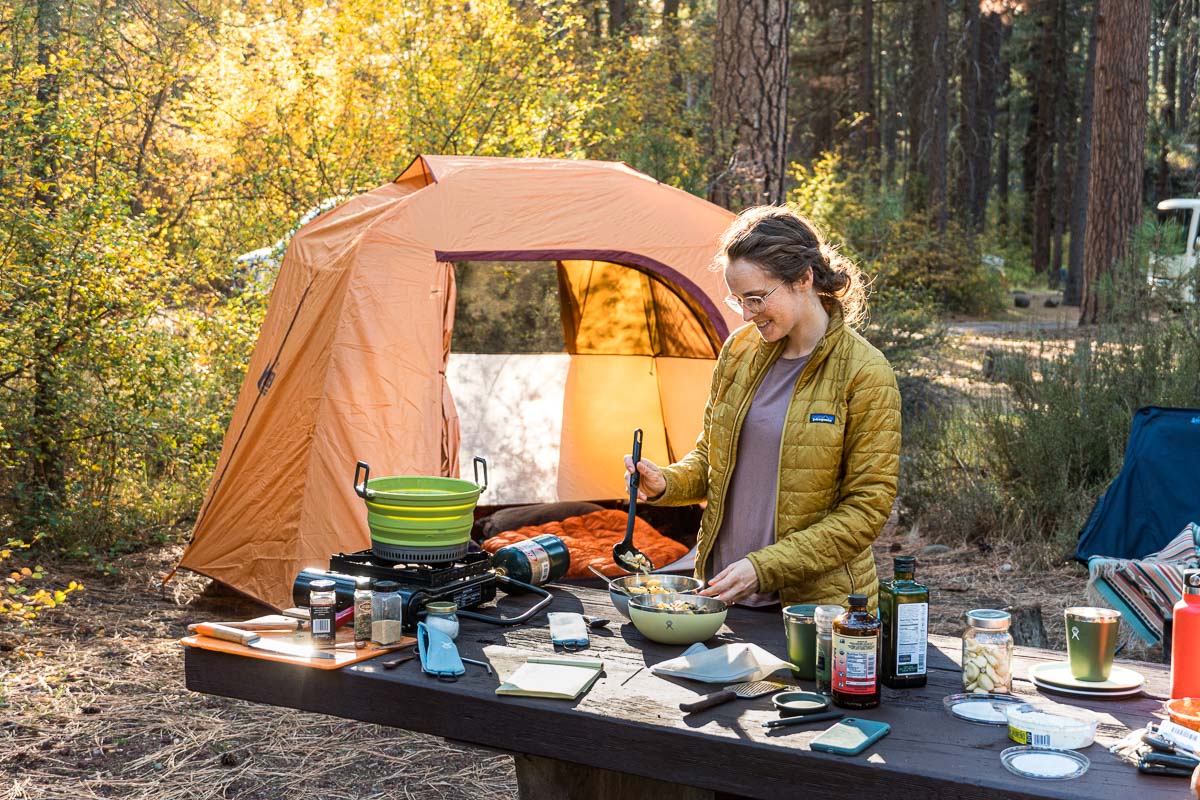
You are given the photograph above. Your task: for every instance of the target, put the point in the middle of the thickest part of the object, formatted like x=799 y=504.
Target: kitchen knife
x=278 y=627
x=252 y=639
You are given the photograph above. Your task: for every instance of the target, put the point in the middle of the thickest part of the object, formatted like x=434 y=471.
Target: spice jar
x=387 y=610
x=443 y=616
x=987 y=652
x=322 y=609
x=823 y=616
x=362 y=612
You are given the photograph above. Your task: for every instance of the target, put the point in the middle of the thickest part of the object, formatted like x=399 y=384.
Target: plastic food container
x=1053 y=726
x=982 y=709
x=1044 y=763
x=1185 y=711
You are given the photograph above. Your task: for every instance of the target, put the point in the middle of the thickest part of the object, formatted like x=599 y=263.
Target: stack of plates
x=1057 y=677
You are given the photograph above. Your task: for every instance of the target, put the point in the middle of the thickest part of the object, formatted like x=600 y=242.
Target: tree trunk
x=1003 y=142
x=670 y=28
x=1073 y=291
x=1044 y=125
x=750 y=102
x=970 y=123
x=1118 y=137
x=618 y=17
x=48 y=462
x=1167 y=110
x=929 y=127
x=865 y=141
x=993 y=30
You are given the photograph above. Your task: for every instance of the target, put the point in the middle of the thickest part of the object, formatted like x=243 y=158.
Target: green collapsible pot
x=416 y=518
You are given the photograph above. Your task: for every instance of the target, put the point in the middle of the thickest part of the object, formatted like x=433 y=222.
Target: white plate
x=1058 y=673
x=1047 y=687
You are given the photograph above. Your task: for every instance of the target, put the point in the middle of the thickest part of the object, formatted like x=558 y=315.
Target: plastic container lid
x=1055 y=726
x=1044 y=763
x=989 y=619
x=386 y=586
x=983 y=708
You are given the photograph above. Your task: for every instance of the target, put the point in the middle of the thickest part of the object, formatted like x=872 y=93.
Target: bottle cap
x=1191 y=581
x=989 y=619
x=904 y=563
x=825 y=615
x=441 y=607
x=856 y=600
x=322 y=585
x=386 y=586
x=362 y=582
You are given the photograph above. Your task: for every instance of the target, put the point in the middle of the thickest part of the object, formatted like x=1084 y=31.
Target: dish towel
x=729 y=663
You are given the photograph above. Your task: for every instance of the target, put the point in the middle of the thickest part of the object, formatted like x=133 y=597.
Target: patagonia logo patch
x=828 y=419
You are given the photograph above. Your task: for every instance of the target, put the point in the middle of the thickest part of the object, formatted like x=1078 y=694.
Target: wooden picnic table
x=627 y=737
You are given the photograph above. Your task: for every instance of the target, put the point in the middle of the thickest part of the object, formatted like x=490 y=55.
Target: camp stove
x=468 y=582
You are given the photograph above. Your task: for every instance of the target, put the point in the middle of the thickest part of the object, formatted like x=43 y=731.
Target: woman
x=800 y=451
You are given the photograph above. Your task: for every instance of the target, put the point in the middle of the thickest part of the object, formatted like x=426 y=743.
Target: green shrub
x=1028 y=461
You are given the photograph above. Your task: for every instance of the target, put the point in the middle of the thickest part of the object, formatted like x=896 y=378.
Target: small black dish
x=799 y=704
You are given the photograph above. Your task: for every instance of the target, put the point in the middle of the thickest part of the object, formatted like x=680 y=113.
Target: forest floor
x=93 y=702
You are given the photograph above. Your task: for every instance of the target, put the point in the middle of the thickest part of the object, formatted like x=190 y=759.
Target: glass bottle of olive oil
x=856 y=656
x=904 y=617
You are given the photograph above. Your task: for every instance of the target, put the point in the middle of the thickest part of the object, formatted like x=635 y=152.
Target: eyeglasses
x=753 y=303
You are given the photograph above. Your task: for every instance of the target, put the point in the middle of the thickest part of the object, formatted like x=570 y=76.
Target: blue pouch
x=439 y=656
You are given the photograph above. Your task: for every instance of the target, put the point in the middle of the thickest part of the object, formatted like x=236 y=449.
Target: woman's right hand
x=651 y=483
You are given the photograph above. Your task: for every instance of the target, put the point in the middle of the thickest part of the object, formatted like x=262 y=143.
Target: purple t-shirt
x=749 y=521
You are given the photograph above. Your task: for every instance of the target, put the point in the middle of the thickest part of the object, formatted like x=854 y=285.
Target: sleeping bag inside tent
x=354 y=360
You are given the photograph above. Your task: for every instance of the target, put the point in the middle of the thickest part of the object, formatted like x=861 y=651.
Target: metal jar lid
x=441 y=607
x=322 y=585
x=989 y=619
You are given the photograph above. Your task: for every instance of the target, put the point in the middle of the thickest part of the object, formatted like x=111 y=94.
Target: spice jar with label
x=443 y=616
x=362 y=612
x=387 y=609
x=987 y=652
x=824 y=617
x=322 y=609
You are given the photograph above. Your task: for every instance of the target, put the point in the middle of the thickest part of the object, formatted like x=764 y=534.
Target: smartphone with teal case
x=850 y=736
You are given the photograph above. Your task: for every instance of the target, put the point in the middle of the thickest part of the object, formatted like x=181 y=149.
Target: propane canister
x=536 y=561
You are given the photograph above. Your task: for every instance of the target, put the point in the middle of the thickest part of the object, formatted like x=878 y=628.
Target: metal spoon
x=611 y=583
x=627 y=556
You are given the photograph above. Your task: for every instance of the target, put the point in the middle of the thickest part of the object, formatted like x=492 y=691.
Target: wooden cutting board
x=344 y=653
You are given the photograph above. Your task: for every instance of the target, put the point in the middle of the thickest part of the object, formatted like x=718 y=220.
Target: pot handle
x=360 y=487
x=478 y=460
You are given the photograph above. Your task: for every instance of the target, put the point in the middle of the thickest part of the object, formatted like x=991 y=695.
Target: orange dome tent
x=353 y=361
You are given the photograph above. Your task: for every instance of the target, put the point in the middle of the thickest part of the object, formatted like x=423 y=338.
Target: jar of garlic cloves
x=987 y=652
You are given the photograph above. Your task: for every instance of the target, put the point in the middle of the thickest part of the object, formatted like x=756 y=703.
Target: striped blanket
x=1145 y=589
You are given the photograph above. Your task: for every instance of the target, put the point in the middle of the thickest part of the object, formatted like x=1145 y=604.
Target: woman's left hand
x=731 y=584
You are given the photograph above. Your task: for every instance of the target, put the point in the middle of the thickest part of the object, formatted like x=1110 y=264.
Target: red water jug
x=1185 y=643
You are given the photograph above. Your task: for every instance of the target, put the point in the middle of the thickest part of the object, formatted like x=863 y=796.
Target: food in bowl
x=1185 y=711
x=677 y=618
x=644 y=585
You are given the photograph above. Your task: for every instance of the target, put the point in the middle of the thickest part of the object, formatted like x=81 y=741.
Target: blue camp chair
x=1157 y=492
x=1147 y=511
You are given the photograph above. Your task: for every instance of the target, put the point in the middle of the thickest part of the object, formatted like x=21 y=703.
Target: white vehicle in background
x=1173 y=271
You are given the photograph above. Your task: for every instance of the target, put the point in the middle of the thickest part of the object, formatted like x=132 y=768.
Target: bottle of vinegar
x=904 y=618
x=1185 y=644
x=856 y=656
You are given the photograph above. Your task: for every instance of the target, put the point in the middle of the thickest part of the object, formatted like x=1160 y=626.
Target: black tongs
x=627 y=556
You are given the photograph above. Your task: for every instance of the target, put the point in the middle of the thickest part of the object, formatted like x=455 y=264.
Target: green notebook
x=560 y=678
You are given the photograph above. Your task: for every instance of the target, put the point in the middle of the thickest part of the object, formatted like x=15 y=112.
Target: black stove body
x=468 y=582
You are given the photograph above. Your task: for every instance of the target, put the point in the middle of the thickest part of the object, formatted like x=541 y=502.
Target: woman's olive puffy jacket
x=838 y=463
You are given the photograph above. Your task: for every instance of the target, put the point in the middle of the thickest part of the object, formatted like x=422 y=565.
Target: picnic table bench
x=627 y=737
